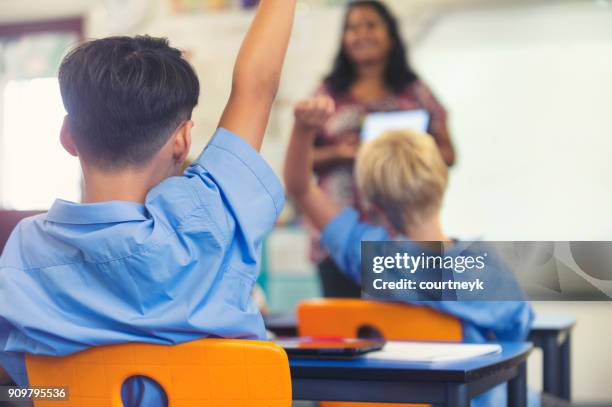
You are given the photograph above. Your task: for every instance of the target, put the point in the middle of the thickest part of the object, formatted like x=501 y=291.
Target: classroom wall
x=529 y=92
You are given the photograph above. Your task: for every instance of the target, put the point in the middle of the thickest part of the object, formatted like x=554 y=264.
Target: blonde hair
x=404 y=175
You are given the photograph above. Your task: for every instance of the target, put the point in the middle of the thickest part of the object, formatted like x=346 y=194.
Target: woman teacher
x=371 y=74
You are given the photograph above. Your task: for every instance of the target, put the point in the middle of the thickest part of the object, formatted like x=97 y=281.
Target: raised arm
x=257 y=71
x=310 y=115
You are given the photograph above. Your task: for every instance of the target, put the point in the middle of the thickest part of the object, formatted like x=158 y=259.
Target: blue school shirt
x=506 y=320
x=178 y=268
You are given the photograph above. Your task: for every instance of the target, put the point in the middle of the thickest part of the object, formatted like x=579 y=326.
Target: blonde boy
x=402 y=179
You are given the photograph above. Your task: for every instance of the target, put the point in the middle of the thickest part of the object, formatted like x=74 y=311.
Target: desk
x=553 y=335
x=452 y=384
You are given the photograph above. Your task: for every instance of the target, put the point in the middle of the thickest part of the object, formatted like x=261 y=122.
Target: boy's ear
x=66 y=138
x=182 y=142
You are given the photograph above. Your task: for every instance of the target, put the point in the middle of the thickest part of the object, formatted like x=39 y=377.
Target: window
x=34 y=168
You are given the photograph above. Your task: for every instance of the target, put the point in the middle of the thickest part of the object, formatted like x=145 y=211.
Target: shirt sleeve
x=342 y=238
x=251 y=193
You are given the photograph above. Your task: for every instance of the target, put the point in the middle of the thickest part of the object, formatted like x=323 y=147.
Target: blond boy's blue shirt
x=178 y=268
x=506 y=320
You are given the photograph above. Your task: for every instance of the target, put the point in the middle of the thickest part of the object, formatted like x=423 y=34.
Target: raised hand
x=312 y=114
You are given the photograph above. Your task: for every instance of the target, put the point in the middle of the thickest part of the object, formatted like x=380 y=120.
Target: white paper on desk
x=428 y=352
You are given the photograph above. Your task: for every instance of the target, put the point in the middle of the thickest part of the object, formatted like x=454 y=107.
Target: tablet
x=328 y=348
x=377 y=123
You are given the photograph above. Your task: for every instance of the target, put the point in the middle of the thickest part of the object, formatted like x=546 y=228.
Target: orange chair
x=353 y=318
x=204 y=373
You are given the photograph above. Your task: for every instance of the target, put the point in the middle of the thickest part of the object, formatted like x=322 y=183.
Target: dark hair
x=125 y=96
x=398 y=74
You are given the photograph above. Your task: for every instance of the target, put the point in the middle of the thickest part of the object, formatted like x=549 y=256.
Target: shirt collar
x=96 y=213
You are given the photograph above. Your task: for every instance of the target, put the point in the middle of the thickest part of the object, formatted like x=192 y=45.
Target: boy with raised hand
x=402 y=178
x=151 y=255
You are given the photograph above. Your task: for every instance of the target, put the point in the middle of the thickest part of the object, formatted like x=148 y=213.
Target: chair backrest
x=8 y=221
x=350 y=317
x=203 y=373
